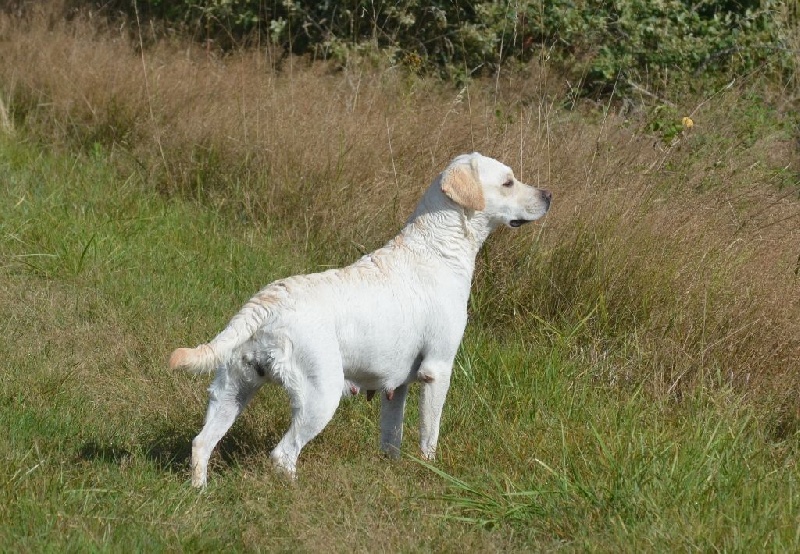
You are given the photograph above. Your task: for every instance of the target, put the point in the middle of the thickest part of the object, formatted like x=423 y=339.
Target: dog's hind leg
x=229 y=394
x=392 y=421
x=314 y=401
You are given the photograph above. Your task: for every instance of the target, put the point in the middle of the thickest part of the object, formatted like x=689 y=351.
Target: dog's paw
x=429 y=454
x=391 y=451
x=199 y=479
x=283 y=465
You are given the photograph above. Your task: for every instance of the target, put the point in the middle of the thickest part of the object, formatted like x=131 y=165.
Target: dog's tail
x=201 y=359
x=207 y=357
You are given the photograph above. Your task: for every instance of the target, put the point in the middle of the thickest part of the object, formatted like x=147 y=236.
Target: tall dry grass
x=669 y=263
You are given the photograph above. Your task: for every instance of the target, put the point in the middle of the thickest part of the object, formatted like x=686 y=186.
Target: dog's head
x=482 y=184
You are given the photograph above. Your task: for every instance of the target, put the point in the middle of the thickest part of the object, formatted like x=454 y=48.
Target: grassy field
x=628 y=381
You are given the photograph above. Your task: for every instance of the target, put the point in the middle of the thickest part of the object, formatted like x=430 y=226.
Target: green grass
x=602 y=468
x=101 y=277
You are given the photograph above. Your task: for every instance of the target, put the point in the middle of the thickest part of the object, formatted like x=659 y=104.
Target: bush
x=602 y=43
x=645 y=41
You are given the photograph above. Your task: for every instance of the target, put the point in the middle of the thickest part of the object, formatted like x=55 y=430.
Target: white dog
x=394 y=317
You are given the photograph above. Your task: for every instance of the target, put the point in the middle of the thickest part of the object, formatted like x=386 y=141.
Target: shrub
x=602 y=44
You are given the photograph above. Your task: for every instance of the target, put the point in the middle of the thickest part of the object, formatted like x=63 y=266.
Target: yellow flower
x=413 y=61
x=687 y=122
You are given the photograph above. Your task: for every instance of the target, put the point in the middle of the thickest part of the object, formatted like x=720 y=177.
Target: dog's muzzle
x=546 y=196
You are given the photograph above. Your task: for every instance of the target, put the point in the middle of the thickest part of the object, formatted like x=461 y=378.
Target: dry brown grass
x=667 y=264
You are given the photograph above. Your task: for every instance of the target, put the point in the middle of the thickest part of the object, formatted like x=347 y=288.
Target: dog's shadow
x=170 y=449
x=105 y=452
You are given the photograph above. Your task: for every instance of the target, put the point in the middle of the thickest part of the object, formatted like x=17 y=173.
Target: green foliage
x=665 y=123
x=603 y=43
x=647 y=40
x=634 y=474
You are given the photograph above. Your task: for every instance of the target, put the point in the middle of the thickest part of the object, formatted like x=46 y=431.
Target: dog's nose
x=547 y=196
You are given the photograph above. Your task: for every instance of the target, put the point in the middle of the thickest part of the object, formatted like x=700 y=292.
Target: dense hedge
x=600 y=41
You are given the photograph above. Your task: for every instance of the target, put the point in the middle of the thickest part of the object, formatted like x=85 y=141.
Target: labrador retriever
x=394 y=317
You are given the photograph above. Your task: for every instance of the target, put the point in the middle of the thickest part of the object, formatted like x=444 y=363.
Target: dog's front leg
x=392 y=409
x=435 y=385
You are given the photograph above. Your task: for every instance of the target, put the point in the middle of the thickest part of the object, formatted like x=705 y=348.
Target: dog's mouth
x=518 y=222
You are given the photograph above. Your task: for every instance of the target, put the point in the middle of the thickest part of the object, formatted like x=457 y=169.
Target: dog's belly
x=383 y=372
x=381 y=339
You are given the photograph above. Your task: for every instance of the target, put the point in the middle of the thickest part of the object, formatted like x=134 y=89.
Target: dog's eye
x=508 y=184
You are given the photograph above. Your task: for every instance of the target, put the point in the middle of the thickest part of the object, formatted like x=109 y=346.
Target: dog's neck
x=441 y=229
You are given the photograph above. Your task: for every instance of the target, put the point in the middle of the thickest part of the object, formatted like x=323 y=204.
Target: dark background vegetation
x=600 y=44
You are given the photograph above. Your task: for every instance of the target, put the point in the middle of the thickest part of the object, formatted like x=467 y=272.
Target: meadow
x=629 y=376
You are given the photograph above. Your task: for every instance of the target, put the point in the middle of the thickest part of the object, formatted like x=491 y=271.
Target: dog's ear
x=460 y=185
